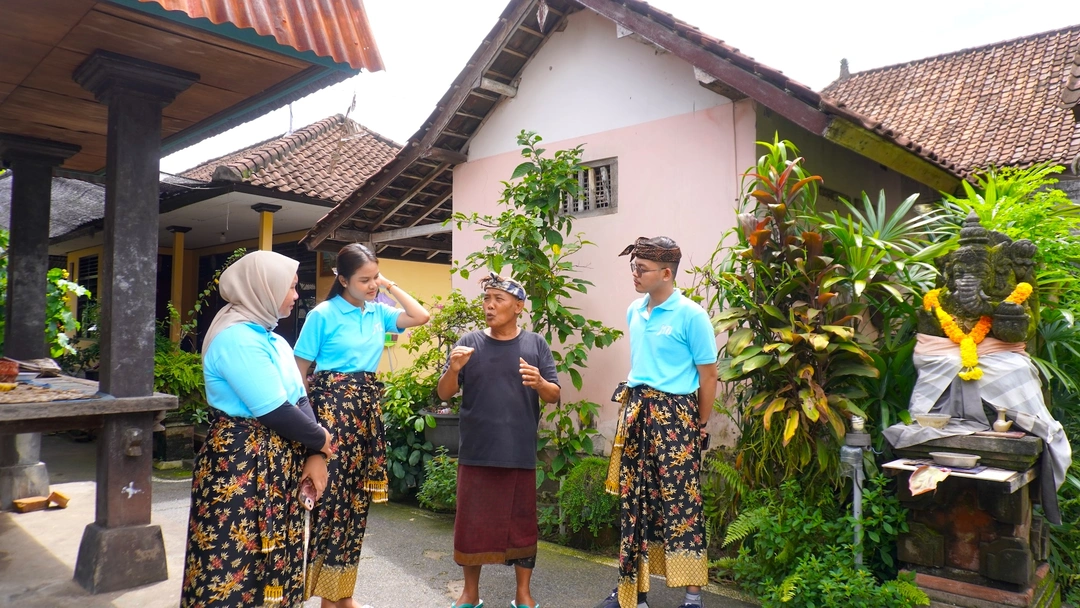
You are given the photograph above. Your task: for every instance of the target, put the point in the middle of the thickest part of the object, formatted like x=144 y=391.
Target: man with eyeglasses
x=656 y=460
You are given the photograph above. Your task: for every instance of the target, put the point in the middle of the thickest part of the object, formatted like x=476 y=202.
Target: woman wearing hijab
x=246 y=532
x=344 y=337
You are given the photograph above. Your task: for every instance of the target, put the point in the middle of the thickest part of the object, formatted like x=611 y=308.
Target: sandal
x=514 y=604
x=456 y=605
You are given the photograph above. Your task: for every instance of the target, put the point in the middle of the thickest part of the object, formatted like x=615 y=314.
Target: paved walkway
x=407 y=559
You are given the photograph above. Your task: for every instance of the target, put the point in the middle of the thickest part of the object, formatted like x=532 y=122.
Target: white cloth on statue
x=1010 y=381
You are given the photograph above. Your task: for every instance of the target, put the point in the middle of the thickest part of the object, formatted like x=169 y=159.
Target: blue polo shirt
x=341 y=337
x=249 y=371
x=667 y=345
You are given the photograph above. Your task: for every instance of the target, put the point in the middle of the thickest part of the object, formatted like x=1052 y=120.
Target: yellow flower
x=930 y=300
x=1020 y=294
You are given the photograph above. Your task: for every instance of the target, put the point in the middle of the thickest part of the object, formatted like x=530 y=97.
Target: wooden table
x=120 y=549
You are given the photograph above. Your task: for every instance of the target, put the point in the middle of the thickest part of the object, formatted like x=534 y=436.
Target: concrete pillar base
x=22 y=474
x=111 y=559
x=22 y=481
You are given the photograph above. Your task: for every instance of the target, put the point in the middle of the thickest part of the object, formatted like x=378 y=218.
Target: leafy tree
x=58 y=317
x=538 y=242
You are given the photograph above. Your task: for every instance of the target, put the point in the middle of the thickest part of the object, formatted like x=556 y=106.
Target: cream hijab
x=254 y=287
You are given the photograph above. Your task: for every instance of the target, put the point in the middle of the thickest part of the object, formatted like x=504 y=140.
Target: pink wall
x=678 y=177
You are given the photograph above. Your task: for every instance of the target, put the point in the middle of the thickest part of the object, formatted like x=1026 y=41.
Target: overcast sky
x=425 y=44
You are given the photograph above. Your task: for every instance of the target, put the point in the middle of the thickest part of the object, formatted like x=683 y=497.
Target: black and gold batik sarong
x=655 y=470
x=246 y=529
x=348 y=405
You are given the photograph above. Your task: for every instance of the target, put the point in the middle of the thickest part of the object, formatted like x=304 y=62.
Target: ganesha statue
x=971 y=349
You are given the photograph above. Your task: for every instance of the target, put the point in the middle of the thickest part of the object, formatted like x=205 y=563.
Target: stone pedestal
x=174 y=445
x=22 y=474
x=977 y=543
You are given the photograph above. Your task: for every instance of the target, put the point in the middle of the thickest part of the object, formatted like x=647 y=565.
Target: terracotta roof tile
x=301 y=162
x=999 y=104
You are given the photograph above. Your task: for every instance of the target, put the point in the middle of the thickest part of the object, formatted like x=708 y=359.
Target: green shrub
x=407 y=453
x=583 y=500
x=795 y=552
x=439 y=490
x=178 y=372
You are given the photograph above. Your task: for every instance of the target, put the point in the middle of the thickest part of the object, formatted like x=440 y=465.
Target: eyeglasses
x=638 y=269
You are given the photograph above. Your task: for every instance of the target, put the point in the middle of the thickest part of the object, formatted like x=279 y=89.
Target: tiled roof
x=338 y=29
x=301 y=163
x=997 y=105
x=502 y=56
x=867 y=119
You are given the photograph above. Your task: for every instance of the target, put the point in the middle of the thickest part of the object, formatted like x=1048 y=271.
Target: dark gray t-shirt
x=499 y=415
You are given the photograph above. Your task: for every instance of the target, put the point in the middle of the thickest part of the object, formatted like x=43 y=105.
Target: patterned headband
x=645 y=250
x=510 y=286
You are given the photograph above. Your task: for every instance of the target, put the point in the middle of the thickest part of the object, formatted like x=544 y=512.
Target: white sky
x=425 y=44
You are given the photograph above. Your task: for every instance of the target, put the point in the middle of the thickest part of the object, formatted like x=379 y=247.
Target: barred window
x=597 y=189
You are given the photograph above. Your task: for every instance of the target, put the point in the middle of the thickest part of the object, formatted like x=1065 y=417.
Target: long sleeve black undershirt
x=296 y=423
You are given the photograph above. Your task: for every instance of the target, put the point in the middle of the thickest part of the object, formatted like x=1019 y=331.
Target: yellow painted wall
x=422 y=281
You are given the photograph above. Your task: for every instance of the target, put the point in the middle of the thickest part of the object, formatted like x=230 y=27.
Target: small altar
x=975 y=541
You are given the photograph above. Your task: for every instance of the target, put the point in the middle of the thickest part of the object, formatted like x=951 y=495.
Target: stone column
x=22 y=474
x=177 y=293
x=121 y=549
x=266 y=224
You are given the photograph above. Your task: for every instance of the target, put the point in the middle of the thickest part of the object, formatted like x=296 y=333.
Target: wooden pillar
x=121 y=549
x=22 y=474
x=266 y=224
x=177 y=293
x=32 y=161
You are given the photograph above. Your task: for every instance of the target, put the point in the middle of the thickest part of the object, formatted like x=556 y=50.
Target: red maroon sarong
x=496 y=515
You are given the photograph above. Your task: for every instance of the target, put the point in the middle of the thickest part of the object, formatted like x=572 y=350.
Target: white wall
x=587 y=80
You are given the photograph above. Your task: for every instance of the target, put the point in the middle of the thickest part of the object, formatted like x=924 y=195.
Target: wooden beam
x=768 y=94
x=432 y=254
x=443 y=155
x=397 y=234
x=888 y=153
x=467 y=115
x=408 y=196
x=529 y=30
x=511 y=51
x=374 y=185
x=424 y=244
x=431 y=208
x=482 y=95
x=494 y=86
x=456 y=134
x=411 y=232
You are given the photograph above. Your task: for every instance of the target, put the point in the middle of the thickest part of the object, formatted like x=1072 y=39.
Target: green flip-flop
x=514 y=604
x=455 y=605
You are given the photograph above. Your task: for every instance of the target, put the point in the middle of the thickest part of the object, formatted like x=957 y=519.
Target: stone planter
x=175 y=444
x=445 y=433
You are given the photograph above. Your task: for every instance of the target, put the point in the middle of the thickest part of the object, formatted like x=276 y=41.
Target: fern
x=730 y=475
x=908 y=592
x=789 y=588
x=746 y=524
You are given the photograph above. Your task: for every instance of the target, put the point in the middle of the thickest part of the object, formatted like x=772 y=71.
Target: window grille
x=597 y=189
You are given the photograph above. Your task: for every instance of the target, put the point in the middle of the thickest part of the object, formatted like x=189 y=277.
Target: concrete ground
x=407 y=558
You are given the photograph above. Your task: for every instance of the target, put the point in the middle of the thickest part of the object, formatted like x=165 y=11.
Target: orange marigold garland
x=969 y=342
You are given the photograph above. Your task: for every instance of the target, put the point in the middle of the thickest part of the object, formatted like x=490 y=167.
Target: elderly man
x=667 y=399
x=503 y=372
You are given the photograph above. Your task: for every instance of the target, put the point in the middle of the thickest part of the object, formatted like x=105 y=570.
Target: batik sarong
x=655 y=471
x=246 y=530
x=496 y=516
x=347 y=405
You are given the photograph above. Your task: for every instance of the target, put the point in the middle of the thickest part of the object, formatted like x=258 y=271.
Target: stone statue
x=971 y=349
x=979 y=280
